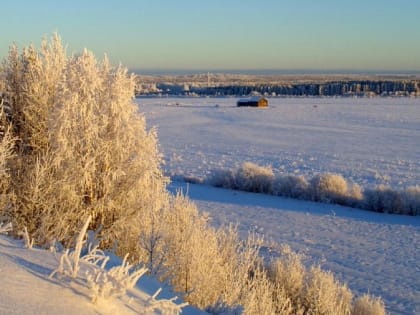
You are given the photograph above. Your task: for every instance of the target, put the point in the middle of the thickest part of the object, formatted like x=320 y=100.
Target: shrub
x=383 y=199
x=6 y=154
x=325 y=295
x=253 y=178
x=224 y=179
x=191 y=260
x=83 y=148
x=355 y=195
x=328 y=187
x=291 y=186
x=412 y=200
x=288 y=274
x=249 y=177
x=368 y=305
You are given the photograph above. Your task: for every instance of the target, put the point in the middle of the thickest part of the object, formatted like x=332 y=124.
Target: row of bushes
x=222 y=274
x=73 y=146
x=330 y=188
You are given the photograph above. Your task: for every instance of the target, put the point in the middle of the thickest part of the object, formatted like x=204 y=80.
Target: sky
x=325 y=35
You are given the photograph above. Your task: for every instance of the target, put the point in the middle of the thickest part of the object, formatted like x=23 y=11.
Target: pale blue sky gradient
x=226 y=34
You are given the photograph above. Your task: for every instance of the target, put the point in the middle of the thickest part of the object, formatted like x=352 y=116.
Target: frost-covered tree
x=29 y=81
x=83 y=148
x=6 y=153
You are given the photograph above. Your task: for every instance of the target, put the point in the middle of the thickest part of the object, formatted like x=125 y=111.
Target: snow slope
x=27 y=289
x=370 y=141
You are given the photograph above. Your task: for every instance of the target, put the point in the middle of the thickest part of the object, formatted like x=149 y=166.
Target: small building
x=254 y=101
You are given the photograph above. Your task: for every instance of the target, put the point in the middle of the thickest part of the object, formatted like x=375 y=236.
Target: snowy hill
x=26 y=288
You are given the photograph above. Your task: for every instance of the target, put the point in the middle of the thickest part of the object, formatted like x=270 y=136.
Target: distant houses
x=255 y=101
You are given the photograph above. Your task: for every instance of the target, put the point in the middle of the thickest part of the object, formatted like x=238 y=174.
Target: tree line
x=332 y=88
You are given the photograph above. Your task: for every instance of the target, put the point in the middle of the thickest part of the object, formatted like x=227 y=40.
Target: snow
x=370 y=141
x=369 y=251
x=27 y=289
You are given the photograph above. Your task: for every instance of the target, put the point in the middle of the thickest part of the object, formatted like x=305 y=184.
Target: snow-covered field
x=370 y=141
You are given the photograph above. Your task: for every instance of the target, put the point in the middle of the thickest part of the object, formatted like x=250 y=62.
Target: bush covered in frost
x=329 y=188
x=368 y=305
x=387 y=200
x=412 y=200
x=291 y=186
x=81 y=147
x=249 y=177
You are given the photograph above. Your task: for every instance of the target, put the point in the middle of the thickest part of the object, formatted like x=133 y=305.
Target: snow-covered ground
x=26 y=288
x=370 y=141
x=369 y=251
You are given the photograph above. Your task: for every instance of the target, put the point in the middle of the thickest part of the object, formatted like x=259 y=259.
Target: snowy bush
x=112 y=283
x=224 y=179
x=249 y=177
x=29 y=242
x=412 y=200
x=6 y=154
x=291 y=186
x=387 y=200
x=288 y=275
x=368 y=305
x=192 y=259
x=164 y=306
x=355 y=195
x=328 y=187
x=70 y=263
x=325 y=295
x=254 y=178
x=299 y=290
x=82 y=149
x=384 y=199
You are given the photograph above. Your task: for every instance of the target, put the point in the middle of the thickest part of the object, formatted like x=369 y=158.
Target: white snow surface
x=26 y=288
x=370 y=141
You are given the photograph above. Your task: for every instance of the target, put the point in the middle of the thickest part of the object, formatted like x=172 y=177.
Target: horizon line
x=181 y=71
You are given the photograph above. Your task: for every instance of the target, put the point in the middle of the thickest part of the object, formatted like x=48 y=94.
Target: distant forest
x=237 y=85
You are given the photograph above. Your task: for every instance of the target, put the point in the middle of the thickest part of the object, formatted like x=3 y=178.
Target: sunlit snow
x=368 y=141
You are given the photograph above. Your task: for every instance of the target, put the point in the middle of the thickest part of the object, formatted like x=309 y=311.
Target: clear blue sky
x=226 y=34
